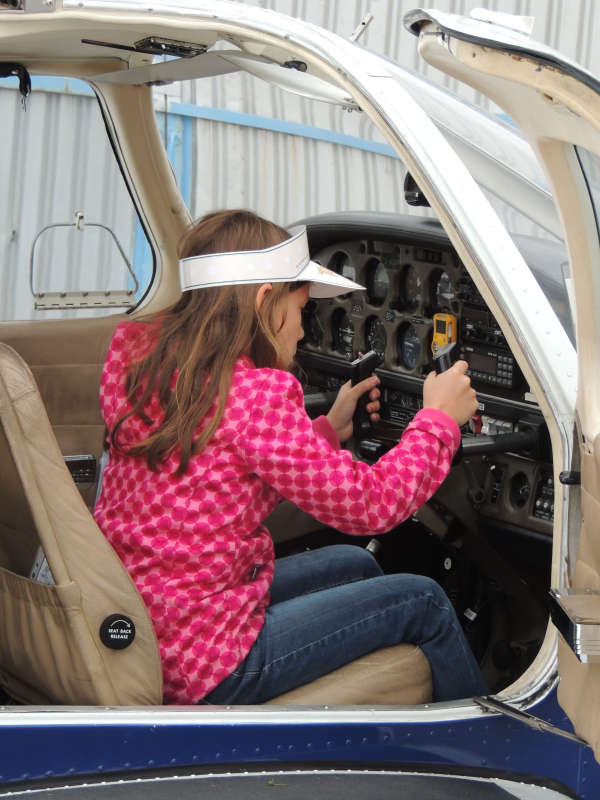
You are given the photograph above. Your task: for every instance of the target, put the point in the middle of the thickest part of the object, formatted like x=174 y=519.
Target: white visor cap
x=285 y=262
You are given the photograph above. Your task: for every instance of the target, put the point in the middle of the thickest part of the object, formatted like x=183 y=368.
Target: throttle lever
x=360 y=369
x=442 y=358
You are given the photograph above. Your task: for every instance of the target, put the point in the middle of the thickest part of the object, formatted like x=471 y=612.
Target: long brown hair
x=200 y=338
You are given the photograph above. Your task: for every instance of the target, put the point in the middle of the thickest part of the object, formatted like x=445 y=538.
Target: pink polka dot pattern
x=195 y=544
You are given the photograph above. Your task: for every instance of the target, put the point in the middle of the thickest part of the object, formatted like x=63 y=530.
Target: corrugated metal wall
x=568 y=26
x=285 y=177
x=280 y=175
x=48 y=171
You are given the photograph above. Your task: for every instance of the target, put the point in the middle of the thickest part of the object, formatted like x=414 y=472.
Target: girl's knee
x=358 y=559
x=441 y=601
x=421 y=584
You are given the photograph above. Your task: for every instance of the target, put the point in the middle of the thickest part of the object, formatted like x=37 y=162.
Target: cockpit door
x=556 y=104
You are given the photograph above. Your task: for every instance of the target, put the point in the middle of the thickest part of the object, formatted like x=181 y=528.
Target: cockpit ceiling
x=136 y=47
x=62 y=40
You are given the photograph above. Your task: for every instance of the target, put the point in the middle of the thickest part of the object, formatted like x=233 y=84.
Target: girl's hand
x=341 y=412
x=451 y=392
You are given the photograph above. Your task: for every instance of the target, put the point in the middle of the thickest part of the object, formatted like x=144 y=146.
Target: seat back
x=51 y=650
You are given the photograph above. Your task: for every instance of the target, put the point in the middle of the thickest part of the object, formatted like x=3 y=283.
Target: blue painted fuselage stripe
x=280 y=126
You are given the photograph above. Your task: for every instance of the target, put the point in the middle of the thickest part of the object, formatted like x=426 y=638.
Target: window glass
x=68 y=229
x=545 y=254
x=590 y=164
x=237 y=141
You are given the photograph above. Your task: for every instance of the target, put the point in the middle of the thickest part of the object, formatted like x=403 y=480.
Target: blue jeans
x=333 y=605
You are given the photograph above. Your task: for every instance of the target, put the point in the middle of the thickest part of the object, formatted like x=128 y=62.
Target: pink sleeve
x=112 y=392
x=280 y=444
x=325 y=428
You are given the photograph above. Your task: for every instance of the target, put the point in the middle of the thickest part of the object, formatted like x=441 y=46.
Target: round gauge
x=340 y=263
x=411 y=287
x=378 y=282
x=375 y=336
x=342 y=331
x=313 y=329
x=409 y=346
x=442 y=291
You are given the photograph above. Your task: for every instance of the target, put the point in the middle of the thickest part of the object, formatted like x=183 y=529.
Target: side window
x=70 y=240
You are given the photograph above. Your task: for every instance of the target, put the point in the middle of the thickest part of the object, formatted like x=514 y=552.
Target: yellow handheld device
x=444 y=330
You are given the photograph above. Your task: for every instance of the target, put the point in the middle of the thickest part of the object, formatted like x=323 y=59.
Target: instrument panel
x=416 y=295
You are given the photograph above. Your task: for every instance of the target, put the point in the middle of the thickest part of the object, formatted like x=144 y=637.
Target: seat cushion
x=397 y=675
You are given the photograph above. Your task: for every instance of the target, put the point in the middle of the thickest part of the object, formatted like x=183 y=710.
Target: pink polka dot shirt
x=195 y=544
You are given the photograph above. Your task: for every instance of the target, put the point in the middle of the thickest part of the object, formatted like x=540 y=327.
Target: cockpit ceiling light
x=156 y=46
x=169 y=47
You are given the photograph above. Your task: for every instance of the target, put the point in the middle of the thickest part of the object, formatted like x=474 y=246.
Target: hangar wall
x=570 y=27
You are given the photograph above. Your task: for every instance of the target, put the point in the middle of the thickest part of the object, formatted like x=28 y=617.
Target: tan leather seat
x=397 y=675
x=50 y=646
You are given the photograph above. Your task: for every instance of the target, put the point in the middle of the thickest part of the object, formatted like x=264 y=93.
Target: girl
x=208 y=433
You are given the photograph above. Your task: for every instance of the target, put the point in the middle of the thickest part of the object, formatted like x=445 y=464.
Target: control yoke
x=361 y=368
x=530 y=439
